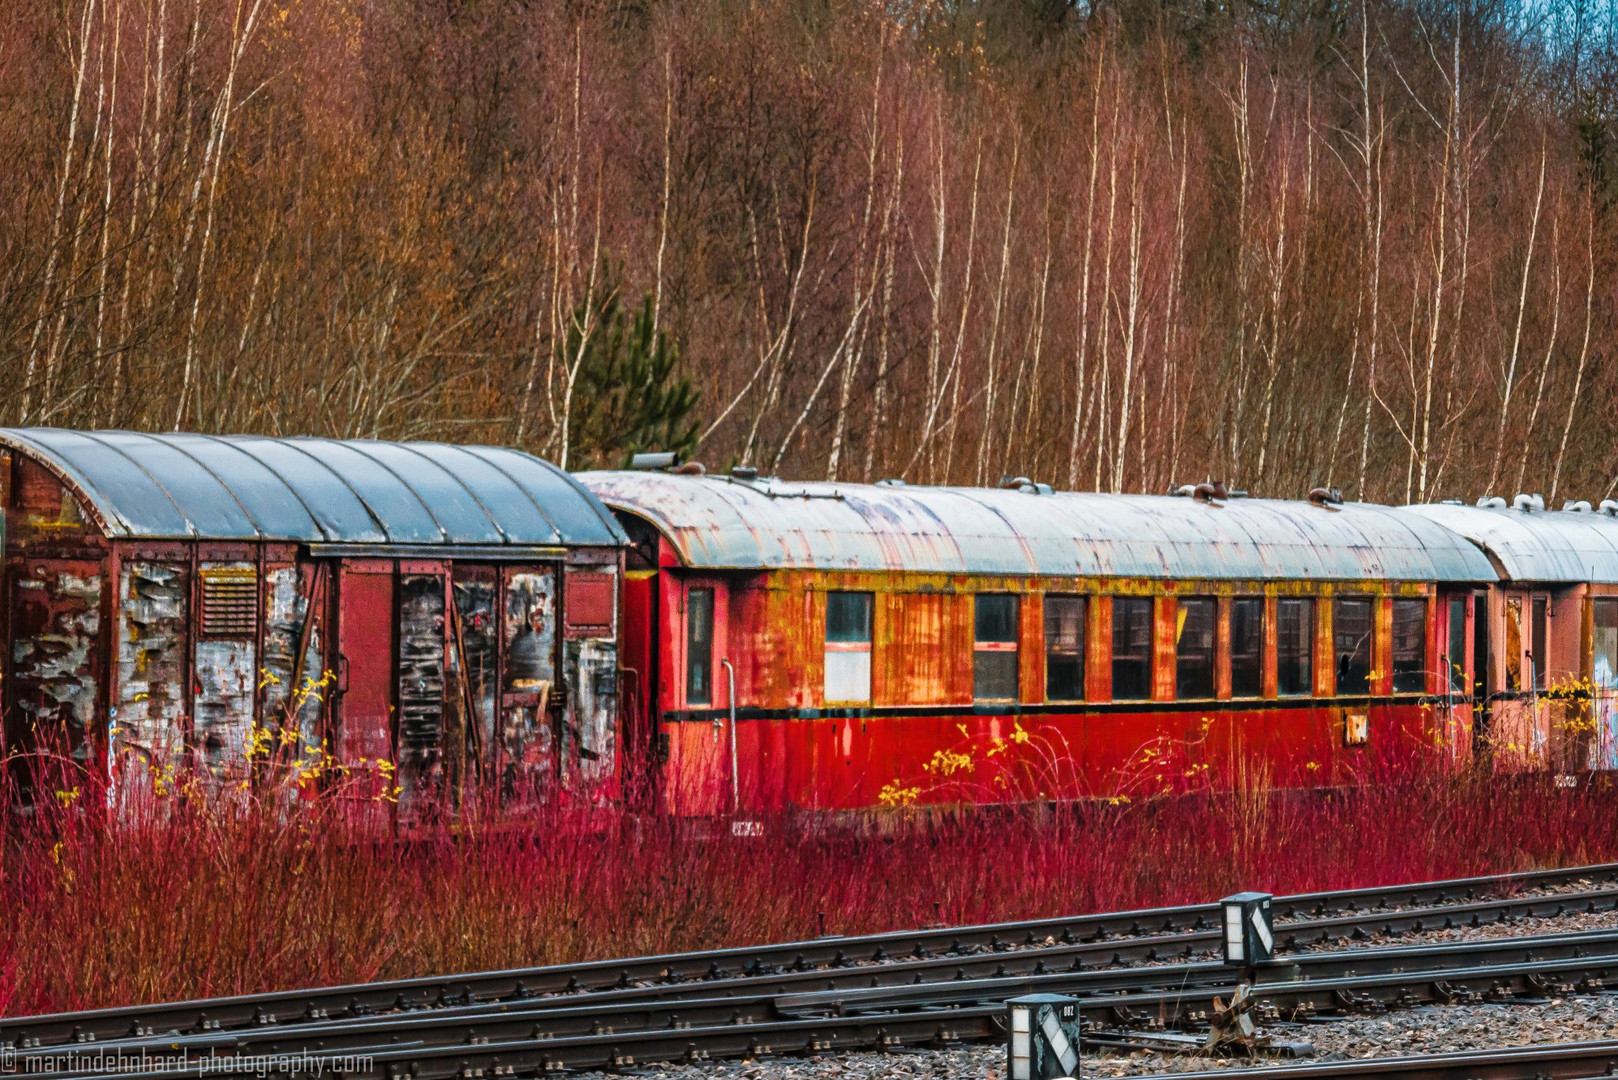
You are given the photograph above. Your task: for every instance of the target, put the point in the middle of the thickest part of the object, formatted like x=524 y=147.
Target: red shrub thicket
x=209 y=901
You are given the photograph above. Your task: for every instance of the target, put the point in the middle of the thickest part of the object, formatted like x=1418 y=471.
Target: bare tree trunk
x=992 y=376
x=1584 y=347
x=52 y=250
x=1081 y=358
x=1550 y=352
x=1516 y=337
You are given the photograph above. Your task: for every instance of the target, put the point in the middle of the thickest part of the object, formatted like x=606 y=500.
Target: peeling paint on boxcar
x=475 y=649
x=286 y=608
x=148 y=721
x=421 y=682
x=592 y=728
x=527 y=735
x=226 y=673
x=55 y=623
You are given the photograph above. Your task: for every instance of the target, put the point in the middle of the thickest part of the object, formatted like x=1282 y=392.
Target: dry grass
x=210 y=903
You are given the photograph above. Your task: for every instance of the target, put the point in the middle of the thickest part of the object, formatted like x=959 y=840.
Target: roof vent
x=1577 y=506
x=1327 y=498
x=659 y=459
x=892 y=481
x=744 y=472
x=1014 y=483
x=1608 y=507
x=1492 y=502
x=1452 y=502
x=1208 y=493
x=689 y=468
x=1525 y=502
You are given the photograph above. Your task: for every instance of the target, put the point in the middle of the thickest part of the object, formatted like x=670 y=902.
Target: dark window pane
x=1064 y=648
x=1131 y=648
x=1541 y=658
x=1409 y=646
x=1294 y=645
x=1351 y=642
x=994 y=675
x=1455 y=661
x=1247 y=646
x=848 y=617
x=699 y=647
x=996 y=618
x=1197 y=619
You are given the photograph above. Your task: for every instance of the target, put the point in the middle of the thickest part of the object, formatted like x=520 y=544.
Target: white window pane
x=848 y=676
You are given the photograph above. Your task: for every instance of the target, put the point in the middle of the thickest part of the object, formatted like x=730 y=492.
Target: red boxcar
x=831 y=646
x=442 y=616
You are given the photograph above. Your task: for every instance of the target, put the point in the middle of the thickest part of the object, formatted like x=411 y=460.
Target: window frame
x=1211 y=676
x=1305 y=605
x=1339 y=607
x=692 y=592
x=1145 y=660
x=1455 y=649
x=985 y=648
x=1080 y=656
x=1419 y=672
x=848 y=646
x=1248 y=602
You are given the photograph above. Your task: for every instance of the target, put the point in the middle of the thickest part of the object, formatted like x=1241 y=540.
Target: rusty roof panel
x=327 y=491
x=1537 y=545
x=720 y=522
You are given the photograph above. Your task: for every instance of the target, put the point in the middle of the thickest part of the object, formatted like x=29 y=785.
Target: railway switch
x=1043 y=1034
x=1249 y=928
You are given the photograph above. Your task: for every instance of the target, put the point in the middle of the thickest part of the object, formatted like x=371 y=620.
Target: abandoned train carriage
x=450 y=611
x=1545 y=659
x=839 y=646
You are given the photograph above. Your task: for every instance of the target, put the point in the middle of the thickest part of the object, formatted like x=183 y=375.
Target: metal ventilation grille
x=229 y=601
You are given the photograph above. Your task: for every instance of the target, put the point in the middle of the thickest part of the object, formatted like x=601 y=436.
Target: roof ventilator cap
x=1025 y=485
x=1208 y=493
x=656 y=459
x=1525 y=502
x=1608 y=507
x=1326 y=498
x=1492 y=502
x=892 y=481
x=1577 y=506
x=744 y=472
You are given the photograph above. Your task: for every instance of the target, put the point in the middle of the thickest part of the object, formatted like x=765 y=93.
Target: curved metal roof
x=250 y=487
x=721 y=522
x=1537 y=545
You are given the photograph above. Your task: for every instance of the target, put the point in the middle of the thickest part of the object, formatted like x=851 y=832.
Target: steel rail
x=717 y=965
x=1092 y=959
x=1160 y=996
x=470 y=1050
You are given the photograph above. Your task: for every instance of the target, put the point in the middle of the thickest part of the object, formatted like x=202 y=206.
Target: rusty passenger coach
x=450 y=611
x=806 y=645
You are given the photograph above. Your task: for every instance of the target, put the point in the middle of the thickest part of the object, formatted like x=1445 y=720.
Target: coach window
x=1131 y=648
x=1064 y=648
x=1195 y=622
x=1294 y=645
x=994 y=652
x=1455 y=661
x=699 y=647
x=1352 y=635
x=1247 y=646
x=1409 y=646
x=848 y=646
x=1539 y=657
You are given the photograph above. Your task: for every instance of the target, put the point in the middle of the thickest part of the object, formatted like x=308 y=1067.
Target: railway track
x=1093 y=940
x=849 y=993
